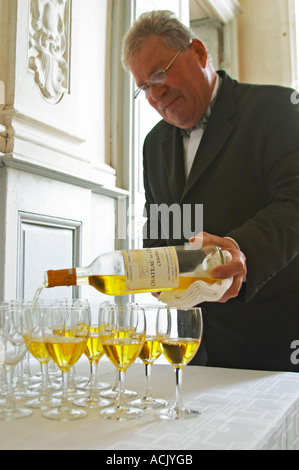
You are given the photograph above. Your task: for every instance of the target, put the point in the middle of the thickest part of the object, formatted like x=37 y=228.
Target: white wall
x=54 y=168
x=265 y=42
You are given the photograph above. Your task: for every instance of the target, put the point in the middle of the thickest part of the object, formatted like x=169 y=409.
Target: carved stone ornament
x=49 y=47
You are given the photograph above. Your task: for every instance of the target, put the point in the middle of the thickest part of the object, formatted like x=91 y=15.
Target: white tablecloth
x=240 y=409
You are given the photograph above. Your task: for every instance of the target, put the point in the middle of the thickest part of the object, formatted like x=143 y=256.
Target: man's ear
x=200 y=50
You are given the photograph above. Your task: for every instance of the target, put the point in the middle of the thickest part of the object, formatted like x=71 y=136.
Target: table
x=240 y=410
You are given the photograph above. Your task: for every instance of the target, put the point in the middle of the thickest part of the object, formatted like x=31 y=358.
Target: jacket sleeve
x=270 y=239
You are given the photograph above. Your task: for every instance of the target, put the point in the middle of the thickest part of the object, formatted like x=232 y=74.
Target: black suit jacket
x=246 y=176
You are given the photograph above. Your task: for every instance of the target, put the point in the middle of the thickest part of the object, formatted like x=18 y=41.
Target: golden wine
x=179 y=352
x=38 y=349
x=151 y=350
x=116 y=284
x=122 y=352
x=94 y=349
x=65 y=351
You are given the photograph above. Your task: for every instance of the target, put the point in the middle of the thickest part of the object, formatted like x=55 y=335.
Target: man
x=235 y=149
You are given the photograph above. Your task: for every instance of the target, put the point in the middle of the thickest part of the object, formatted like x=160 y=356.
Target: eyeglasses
x=158 y=78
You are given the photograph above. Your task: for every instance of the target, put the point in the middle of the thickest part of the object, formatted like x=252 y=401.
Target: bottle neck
x=61 y=277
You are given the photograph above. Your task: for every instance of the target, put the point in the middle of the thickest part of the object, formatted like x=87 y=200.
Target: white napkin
x=198 y=292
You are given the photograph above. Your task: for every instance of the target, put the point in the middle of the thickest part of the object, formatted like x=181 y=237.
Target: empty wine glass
x=65 y=332
x=149 y=353
x=180 y=334
x=12 y=351
x=34 y=339
x=122 y=333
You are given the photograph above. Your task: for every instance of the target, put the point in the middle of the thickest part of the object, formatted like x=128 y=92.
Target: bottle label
x=151 y=269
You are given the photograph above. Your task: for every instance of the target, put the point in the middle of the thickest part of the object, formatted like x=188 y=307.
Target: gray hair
x=162 y=23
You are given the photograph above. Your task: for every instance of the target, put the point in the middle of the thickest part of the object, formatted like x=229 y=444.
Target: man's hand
x=236 y=268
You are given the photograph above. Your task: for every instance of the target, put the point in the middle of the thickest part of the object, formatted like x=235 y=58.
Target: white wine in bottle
x=144 y=270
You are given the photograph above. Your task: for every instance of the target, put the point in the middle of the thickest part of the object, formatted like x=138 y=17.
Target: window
x=296 y=45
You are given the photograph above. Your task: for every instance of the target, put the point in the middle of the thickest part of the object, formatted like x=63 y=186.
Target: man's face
x=184 y=97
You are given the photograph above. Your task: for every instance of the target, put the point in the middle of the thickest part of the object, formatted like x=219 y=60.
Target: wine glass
x=122 y=333
x=65 y=332
x=22 y=380
x=34 y=340
x=94 y=351
x=113 y=392
x=180 y=334
x=149 y=353
x=12 y=351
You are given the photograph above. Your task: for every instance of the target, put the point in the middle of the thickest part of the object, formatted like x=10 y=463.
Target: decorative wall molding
x=223 y=10
x=62 y=237
x=49 y=47
x=101 y=181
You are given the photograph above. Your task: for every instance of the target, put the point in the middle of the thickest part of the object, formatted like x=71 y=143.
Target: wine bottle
x=144 y=270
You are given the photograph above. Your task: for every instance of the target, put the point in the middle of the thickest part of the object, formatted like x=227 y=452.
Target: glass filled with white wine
x=93 y=351
x=65 y=332
x=122 y=333
x=149 y=353
x=179 y=333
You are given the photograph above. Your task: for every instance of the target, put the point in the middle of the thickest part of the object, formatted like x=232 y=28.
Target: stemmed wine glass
x=94 y=351
x=34 y=340
x=149 y=353
x=65 y=332
x=12 y=351
x=122 y=333
x=113 y=391
x=179 y=333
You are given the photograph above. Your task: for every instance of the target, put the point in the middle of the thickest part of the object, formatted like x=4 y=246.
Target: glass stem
x=121 y=386
x=148 y=389
x=116 y=387
x=10 y=400
x=72 y=379
x=20 y=386
x=65 y=387
x=93 y=392
x=178 y=389
x=45 y=380
x=27 y=370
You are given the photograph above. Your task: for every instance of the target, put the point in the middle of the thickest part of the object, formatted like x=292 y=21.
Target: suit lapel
x=174 y=163
x=217 y=131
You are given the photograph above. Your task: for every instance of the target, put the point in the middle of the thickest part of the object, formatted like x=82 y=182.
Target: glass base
x=64 y=414
x=41 y=403
x=14 y=413
x=149 y=403
x=121 y=413
x=72 y=394
x=38 y=387
x=92 y=403
x=174 y=413
x=114 y=393
x=100 y=386
x=24 y=394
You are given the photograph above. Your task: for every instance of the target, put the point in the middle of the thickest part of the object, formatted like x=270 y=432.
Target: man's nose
x=157 y=91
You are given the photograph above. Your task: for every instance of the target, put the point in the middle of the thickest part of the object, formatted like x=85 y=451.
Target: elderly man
x=234 y=148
